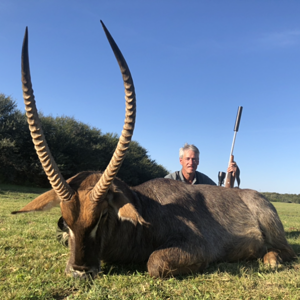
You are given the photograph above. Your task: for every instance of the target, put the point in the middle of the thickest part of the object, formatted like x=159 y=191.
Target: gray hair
x=188 y=147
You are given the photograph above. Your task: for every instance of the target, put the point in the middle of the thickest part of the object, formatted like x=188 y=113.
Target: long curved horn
x=58 y=183
x=101 y=188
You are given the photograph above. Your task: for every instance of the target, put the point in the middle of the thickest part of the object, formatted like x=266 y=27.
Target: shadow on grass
x=124 y=269
x=234 y=269
x=57 y=294
x=62 y=294
x=293 y=234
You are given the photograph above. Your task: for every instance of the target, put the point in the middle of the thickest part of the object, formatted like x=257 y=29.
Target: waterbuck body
x=177 y=228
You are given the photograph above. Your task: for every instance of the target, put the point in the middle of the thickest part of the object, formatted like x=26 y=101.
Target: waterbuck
x=175 y=227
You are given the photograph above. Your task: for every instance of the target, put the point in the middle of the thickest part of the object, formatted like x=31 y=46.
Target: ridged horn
x=57 y=182
x=101 y=188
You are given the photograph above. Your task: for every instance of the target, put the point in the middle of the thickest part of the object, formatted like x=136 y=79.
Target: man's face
x=189 y=162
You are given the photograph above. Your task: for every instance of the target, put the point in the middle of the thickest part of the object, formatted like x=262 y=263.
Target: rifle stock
x=229 y=179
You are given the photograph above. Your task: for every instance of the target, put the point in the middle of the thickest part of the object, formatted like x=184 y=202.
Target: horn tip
x=102 y=24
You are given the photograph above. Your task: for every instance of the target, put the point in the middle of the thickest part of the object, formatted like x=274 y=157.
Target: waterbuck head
x=85 y=198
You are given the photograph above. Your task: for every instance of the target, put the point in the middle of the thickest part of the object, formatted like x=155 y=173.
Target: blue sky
x=193 y=63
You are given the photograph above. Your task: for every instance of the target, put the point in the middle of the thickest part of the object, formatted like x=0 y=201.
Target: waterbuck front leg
x=174 y=261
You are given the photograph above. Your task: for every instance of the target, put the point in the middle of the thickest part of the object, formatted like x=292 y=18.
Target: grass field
x=32 y=264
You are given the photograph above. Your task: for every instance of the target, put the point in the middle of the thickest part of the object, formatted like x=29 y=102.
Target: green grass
x=32 y=264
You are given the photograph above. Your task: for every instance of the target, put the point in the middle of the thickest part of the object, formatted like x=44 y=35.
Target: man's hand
x=232 y=167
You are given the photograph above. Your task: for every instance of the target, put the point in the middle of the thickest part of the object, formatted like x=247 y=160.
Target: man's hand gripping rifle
x=231 y=176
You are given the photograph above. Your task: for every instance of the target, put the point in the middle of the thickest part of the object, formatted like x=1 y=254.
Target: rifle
x=229 y=179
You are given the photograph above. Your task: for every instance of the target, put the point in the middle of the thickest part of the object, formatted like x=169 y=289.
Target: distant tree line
x=74 y=145
x=287 y=198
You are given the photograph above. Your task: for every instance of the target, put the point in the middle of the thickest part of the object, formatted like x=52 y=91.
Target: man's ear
x=124 y=208
x=43 y=202
x=180 y=160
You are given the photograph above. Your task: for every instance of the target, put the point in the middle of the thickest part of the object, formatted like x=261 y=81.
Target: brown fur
x=177 y=228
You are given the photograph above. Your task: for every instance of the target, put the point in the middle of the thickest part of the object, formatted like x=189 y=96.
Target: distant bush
x=74 y=145
x=287 y=198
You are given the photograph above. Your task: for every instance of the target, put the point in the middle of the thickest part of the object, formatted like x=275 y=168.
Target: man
x=189 y=159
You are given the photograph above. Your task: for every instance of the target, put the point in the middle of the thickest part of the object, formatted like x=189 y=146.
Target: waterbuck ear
x=43 y=202
x=124 y=208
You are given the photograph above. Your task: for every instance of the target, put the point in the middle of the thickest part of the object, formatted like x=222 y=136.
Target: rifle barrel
x=229 y=179
x=236 y=126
